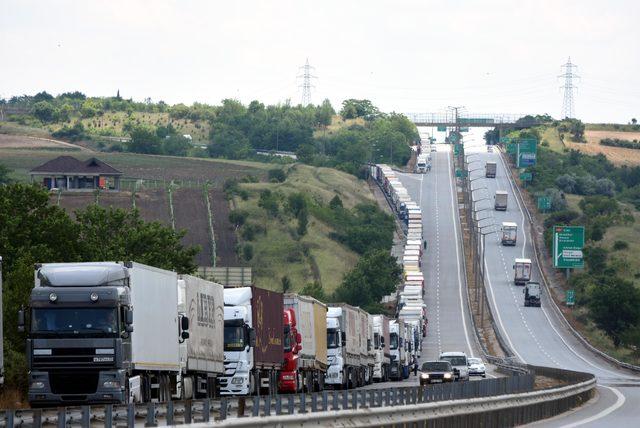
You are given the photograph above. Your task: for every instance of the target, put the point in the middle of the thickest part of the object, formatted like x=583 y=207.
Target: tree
x=144 y=140
x=335 y=203
x=634 y=120
x=286 y=284
x=353 y=108
x=303 y=221
x=375 y=275
x=44 y=111
x=228 y=142
x=313 y=290
x=615 y=306
x=42 y=96
x=277 y=175
x=325 y=113
x=116 y=234
x=4 y=175
x=269 y=201
x=175 y=145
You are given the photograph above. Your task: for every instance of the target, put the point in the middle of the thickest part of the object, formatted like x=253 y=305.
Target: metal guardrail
x=193 y=411
x=554 y=305
x=501 y=410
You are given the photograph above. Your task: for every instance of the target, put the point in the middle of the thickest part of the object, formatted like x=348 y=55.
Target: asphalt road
x=536 y=335
x=449 y=327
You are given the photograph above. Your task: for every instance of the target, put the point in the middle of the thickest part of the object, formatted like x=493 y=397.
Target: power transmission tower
x=567 y=101
x=306 y=82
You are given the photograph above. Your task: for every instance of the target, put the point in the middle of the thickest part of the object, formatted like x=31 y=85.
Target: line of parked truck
x=410 y=325
x=108 y=332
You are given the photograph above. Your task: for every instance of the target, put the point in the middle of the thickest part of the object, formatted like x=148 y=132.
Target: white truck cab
x=459 y=363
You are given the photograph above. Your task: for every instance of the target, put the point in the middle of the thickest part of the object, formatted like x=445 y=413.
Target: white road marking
x=620 y=400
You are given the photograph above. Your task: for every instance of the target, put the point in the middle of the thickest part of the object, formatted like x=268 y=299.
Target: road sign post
x=570 y=298
x=568 y=242
x=442 y=129
x=544 y=203
x=526 y=177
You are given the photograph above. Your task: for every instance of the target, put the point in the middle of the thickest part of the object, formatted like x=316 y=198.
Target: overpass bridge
x=449 y=119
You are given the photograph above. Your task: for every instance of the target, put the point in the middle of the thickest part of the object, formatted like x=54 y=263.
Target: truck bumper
x=109 y=389
x=377 y=371
x=334 y=376
x=238 y=384
x=287 y=382
x=509 y=243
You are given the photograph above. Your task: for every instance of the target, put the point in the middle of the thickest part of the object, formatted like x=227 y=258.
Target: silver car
x=476 y=367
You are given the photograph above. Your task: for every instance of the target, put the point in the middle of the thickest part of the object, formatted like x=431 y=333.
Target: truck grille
x=74 y=382
x=230 y=368
x=73 y=357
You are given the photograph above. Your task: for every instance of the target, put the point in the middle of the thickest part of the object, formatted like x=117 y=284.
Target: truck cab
x=522 y=271
x=239 y=338
x=289 y=380
x=459 y=363
x=490 y=170
x=532 y=294
x=396 y=349
x=509 y=233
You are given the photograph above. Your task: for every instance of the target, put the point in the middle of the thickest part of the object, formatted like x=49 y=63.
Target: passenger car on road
x=459 y=363
x=476 y=367
x=436 y=372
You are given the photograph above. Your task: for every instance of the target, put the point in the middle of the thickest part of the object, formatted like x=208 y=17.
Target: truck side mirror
x=252 y=337
x=184 y=335
x=184 y=323
x=21 y=320
x=343 y=336
x=128 y=316
x=298 y=338
x=298 y=348
x=128 y=328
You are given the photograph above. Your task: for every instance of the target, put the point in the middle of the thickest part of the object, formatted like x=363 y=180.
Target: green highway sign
x=463 y=129
x=454 y=137
x=544 y=203
x=505 y=140
x=568 y=242
x=512 y=148
x=570 y=297
x=526 y=149
x=461 y=173
x=442 y=129
x=526 y=176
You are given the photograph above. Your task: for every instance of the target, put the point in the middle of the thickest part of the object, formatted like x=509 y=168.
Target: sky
x=490 y=56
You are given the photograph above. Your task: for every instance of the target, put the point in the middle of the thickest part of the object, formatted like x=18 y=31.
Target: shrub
x=277 y=175
x=247 y=251
x=620 y=245
x=237 y=217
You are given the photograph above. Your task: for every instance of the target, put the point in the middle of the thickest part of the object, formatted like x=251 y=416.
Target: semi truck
x=305 y=344
x=344 y=346
x=490 y=170
x=396 y=349
x=253 y=341
x=509 y=233
x=201 y=355
x=382 y=354
x=367 y=356
x=522 y=271
x=500 y=200
x=103 y=332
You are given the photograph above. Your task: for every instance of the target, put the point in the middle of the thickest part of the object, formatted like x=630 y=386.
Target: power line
x=306 y=83
x=567 y=101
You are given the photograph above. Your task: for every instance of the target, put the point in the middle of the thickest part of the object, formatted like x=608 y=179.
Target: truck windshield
x=455 y=360
x=287 y=339
x=50 y=321
x=393 y=339
x=333 y=338
x=235 y=338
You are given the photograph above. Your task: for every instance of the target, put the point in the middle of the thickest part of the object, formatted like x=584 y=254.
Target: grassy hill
x=315 y=257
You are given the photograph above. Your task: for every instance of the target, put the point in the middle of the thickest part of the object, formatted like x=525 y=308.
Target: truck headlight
x=424 y=376
x=447 y=375
x=236 y=381
x=111 y=384
x=37 y=385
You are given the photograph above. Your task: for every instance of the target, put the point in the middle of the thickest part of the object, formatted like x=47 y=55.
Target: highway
x=449 y=327
x=536 y=335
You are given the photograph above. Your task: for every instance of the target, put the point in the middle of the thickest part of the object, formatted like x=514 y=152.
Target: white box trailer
x=408 y=252
x=202 y=302
x=414 y=248
x=417 y=242
x=155 y=338
x=509 y=233
x=522 y=271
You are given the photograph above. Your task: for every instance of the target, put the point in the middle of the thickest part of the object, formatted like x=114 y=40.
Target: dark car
x=436 y=372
